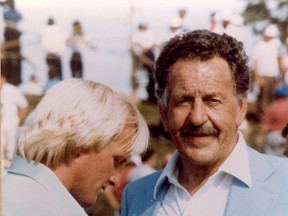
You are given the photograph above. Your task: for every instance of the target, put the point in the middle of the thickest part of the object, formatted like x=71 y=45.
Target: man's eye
x=182 y=102
x=119 y=162
x=116 y=163
x=213 y=101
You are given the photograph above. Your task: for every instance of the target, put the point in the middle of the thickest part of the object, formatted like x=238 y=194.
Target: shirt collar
x=237 y=164
x=46 y=177
x=239 y=155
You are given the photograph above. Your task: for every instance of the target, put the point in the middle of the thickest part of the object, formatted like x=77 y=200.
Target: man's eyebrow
x=121 y=160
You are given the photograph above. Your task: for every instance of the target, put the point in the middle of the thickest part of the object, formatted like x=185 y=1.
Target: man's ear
x=241 y=111
x=164 y=117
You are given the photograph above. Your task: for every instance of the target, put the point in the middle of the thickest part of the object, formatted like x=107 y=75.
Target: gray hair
x=203 y=45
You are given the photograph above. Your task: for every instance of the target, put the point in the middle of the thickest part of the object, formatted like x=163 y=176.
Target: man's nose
x=198 y=115
x=114 y=180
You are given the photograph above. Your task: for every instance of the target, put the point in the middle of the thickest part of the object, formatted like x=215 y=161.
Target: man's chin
x=89 y=204
x=201 y=155
x=200 y=141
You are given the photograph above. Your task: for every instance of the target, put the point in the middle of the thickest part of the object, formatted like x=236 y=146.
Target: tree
x=260 y=13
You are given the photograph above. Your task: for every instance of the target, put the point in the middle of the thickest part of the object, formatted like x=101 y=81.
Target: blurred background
x=110 y=25
x=108 y=48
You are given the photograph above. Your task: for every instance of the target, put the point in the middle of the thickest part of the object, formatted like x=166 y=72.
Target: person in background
x=70 y=148
x=53 y=79
x=202 y=81
x=77 y=42
x=237 y=29
x=284 y=63
x=143 y=45
x=265 y=66
x=273 y=120
x=284 y=133
x=14 y=107
x=149 y=160
x=11 y=57
x=174 y=29
x=53 y=41
x=221 y=20
x=32 y=87
x=213 y=25
x=183 y=19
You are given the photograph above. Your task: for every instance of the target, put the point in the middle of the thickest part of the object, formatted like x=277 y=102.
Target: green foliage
x=256 y=12
x=260 y=13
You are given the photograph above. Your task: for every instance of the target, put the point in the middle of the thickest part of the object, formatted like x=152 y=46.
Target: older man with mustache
x=202 y=79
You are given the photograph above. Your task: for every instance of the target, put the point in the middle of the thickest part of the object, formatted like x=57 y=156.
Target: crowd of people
x=54 y=40
x=84 y=138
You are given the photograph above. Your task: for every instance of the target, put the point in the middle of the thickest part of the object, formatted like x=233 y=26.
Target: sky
x=36 y=12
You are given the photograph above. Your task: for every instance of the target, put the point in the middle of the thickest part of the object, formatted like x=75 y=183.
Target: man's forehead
x=205 y=83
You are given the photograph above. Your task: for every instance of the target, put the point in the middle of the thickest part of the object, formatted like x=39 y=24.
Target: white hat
x=271 y=31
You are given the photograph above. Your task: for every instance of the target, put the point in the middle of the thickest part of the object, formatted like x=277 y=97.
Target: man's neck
x=194 y=177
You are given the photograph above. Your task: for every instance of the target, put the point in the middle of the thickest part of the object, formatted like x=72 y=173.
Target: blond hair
x=78 y=116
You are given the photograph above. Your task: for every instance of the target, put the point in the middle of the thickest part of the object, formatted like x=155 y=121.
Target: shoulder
x=25 y=194
x=146 y=180
x=152 y=178
x=137 y=196
x=145 y=185
x=279 y=164
x=264 y=163
x=22 y=185
x=13 y=90
x=10 y=87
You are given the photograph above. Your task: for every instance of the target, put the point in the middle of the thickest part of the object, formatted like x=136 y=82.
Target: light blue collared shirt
x=30 y=189
x=178 y=200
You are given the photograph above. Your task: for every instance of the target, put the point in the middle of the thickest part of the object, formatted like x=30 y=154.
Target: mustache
x=191 y=130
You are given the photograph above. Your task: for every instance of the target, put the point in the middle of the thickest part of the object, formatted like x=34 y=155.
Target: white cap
x=271 y=31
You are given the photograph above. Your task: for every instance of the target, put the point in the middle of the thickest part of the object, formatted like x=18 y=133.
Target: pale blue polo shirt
x=29 y=189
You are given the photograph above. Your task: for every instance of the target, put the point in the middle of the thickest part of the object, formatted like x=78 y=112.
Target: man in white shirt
x=14 y=106
x=53 y=40
x=31 y=87
x=146 y=167
x=143 y=44
x=266 y=66
x=202 y=80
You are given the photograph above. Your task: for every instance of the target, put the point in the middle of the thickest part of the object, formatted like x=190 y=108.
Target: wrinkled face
x=202 y=114
x=95 y=171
